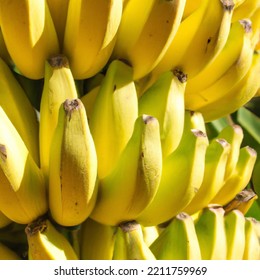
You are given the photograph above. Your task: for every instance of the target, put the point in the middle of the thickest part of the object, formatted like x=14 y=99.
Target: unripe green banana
x=73 y=166
x=178 y=241
x=133 y=183
x=23 y=190
x=165 y=101
x=58 y=86
x=45 y=242
x=114 y=113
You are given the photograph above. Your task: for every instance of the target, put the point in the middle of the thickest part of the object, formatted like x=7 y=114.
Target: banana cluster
x=104 y=148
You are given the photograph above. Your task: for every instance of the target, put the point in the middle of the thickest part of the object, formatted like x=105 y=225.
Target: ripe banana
x=58 y=86
x=4 y=54
x=45 y=242
x=210 y=229
x=143 y=40
x=73 y=166
x=252 y=242
x=90 y=34
x=29 y=35
x=150 y=234
x=23 y=191
x=178 y=241
x=8 y=254
x=182 y=176
x=245 y=10
x=114 y=113
x=134 y=181
x=4 y=221
x=165 y=101
x=215 y=165
x=235 y=234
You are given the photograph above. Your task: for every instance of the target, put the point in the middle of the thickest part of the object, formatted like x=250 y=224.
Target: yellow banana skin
x=235 y=233
x=117 y=100
x=23 y=190
x=7 y=254
x=4 y=221
x=246 y=9
x=150 y=234
x=73 y=166
x=90 y=34
x=169 y=245
x=150 y=36
x=58 y=86
x=45 y=242
x=20 y=111
x=175 y=192
x=210 y=229
x=165 y=101
x=215 y=164
x=133 y=183
x=97 y=241
x=29 y=35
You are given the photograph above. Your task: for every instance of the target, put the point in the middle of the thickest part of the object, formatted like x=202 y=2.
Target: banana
x=222 y=62
x=245 y=10
x=235 y=234
x=114 y=113
x=143 y=40
x=134 y=181
x=73 y=166
x=200 y=37
x=178 y=241
x=182 y=176
x=165 y=101
x=90 y=34
x=150 y=234
x=45 y=242
x=4 y=54
x=88 y=100
x=29 y=35
x=241 y=93
x=135 y=246
x=120 y=248
x=4 y=221
x=190 y=7
x=20 y=111
x=210 y=229
x=215 y=164
x=23 y=190
x=59 y=10
x=58 y=86
x=96 y=241
x=239 y=178
x=252 y=243
x=8 y=254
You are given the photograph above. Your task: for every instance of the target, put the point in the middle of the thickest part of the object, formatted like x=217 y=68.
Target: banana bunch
x=106 y=151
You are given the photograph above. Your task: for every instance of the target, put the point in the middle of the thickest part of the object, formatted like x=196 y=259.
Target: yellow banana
x=20 y=111
x=97 y=241
x=23 y=190
x=58 y=86
x=113 y=115
x=235 y=234
x=73 y=166
x=8 y=254
x=210 y=229
x=215 y=165
x=182 y=176
x=165 y=101
x=29 y=35
x=143 y=40
x=252 y=242
x=134 y=181
x=90 y=34
x=178 y=241
x=45 y=242
x=4 y=54
x=150 y=234
x=245 y=10
x=239 y=178
x=120 y=249
x=190 y=7
x=4 y=221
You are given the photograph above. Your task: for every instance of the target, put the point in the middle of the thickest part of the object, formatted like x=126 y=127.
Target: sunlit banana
x=235 y=234
x=190 y=7
x=245 y=10
x=210 y=229
x=134 y=181
x=29 y=35
x=90 y=34
x=23 y=190
x=143 y=40
x=8 y=254
x=252 y=242
x=58 y=86
x=120 y=249
x=178 y=241
x=113 y=115
x=45 y=242
x=73 y=166
x=96 y=241
x=215 y=165
x=165 y=101
x=150 y=234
